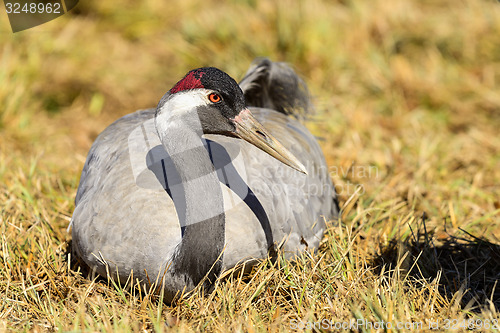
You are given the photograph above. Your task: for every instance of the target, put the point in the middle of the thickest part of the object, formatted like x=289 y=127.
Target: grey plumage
x=126 y=220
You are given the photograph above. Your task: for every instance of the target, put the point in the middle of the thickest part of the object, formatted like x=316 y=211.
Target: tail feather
x=275 y=85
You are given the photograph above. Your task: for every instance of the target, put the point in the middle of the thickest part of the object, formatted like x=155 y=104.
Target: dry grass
x=408 y=102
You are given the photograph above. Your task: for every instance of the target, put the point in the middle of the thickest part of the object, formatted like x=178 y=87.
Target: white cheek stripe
x=180 y=113
x=182 y=102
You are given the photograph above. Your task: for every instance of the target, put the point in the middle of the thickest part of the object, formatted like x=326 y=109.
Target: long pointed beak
x=250 y=130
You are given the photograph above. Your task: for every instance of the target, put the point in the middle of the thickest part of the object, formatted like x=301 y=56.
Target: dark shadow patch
x=78 y=266
x=465 y=262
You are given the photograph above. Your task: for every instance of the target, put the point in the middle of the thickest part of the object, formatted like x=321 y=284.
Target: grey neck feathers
x=200 y=195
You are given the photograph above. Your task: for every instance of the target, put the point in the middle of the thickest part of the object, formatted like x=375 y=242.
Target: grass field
x=408 y=114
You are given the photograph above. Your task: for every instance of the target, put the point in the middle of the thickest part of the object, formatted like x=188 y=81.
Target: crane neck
x=198 y=199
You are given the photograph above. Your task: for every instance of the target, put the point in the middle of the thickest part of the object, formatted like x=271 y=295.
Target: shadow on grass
x=465 y=263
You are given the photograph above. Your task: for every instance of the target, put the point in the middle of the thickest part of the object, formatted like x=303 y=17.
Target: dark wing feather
x=276 y=86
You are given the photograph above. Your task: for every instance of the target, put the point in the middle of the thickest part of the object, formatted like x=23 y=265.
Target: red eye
x=214 y=98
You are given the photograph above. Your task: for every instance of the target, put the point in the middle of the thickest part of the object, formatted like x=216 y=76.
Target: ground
x=407 y=113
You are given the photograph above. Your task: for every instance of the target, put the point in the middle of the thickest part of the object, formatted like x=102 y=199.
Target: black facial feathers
x=218 y=81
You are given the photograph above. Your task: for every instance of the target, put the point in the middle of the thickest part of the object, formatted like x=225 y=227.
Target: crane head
x=211 y=102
